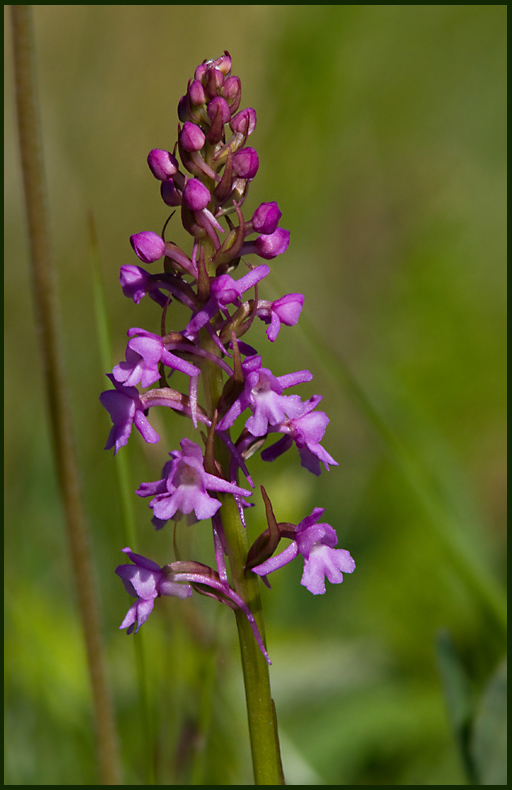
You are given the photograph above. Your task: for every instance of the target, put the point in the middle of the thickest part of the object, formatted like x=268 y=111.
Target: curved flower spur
x=209 y=189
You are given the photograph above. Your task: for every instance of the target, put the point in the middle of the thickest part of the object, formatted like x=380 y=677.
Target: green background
x=381 y=134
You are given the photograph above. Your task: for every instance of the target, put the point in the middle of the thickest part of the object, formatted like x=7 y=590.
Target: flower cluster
x=209 y=188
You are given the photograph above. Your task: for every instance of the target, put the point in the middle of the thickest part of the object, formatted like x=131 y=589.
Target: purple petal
x=325 y=562
x=176 y=589
x=277 y=449
x=144 y=428
x=278 y=561
x=214 y=483
x=138 y=559
x=291 y=379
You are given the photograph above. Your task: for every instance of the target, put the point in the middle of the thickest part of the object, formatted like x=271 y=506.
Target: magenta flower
x=136 y=283
x=269 y=245
x=307 y=431
x=315 y=542
x=145 y=580
x=263 y=394
x=224 y=290
x=125 y=408
x=143 y=354
x=285 y=310
x=185 y=485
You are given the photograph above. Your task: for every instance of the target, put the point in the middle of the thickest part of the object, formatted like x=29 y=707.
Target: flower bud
x=162 y=164
x=223 y=63
x=196 y=93
x=246 y=163
x=244 y=121
x=202 y=69
x=195 y=195
x=192 y=137
x=269 y=246
x=148 y=246
x=170 y=194
x=232 y=92
x=213 y=82
x=218 y=104
x=183 y=113
x=266 y=218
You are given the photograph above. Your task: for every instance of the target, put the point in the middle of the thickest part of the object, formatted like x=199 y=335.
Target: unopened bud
x=195 y=195
x=246 y=163
x=170 y=194
x=183 y=113
x=269 y=246
x=162 y=164
x=202 y=69
x=192 y=137
x=218 y=104
x=232 y=92
x=266 y=218
x=244 y=122
x=148 y=246
x=223 y=63
x=196 y=93
x=213 y=81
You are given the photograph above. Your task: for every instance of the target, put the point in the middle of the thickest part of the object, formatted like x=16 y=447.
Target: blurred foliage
x=381 y=133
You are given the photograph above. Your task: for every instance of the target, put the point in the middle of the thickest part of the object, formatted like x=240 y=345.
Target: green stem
x=266 y=758
x=45 y=298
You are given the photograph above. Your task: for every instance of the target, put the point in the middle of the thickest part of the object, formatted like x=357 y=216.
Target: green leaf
x=488 y=745
x=457 y=693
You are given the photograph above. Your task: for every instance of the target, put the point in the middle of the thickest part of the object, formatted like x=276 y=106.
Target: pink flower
x=184 y=486
x=143 y=354
x=315 y=542
x=146 y=581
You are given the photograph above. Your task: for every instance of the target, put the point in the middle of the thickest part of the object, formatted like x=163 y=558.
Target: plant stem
x=266 y=757
x=55 y=381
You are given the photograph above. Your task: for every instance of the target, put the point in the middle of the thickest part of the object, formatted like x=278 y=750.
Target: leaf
x=488 y=746
x=457 y=694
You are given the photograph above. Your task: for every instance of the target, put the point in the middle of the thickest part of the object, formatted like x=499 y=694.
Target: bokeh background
x=381 y=134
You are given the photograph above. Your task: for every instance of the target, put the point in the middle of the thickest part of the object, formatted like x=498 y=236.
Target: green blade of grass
x=125 y=489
